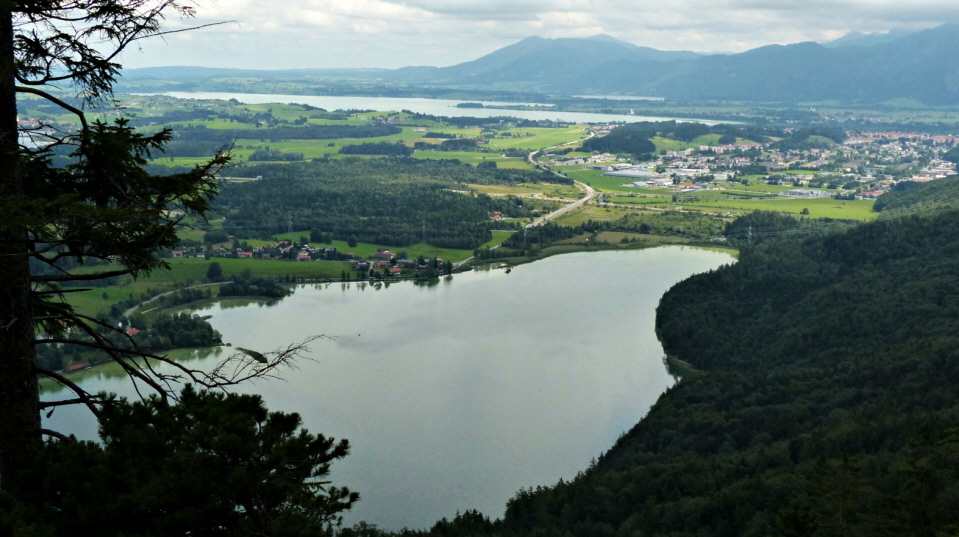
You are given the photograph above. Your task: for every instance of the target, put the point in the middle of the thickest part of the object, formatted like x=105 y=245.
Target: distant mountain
x=921 y=66
x=538 y=62
x=868 y=68
x=857 y=69
x=859 y=39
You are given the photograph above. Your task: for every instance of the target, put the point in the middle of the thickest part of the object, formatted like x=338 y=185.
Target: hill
x=865 y=69
x=859 y=39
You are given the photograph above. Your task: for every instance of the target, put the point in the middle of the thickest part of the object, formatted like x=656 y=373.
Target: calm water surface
x=438 y=107
x=454 y=396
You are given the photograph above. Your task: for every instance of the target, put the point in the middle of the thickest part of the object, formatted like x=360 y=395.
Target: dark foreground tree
x=101 y=205
x=212 y=464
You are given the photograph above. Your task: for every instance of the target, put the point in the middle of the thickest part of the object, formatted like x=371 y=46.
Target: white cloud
x=396 y=33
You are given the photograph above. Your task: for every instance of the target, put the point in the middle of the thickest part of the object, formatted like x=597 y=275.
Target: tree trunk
x=19 y=393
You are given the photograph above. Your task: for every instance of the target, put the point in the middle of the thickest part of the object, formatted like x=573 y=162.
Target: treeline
x=153 y=334
x=910 y=195
x=799 y=138
x=483 y=121
x=672 y=223
x=382 y=148
x=635 y=138
x=200 y=141
x=248 y=285
x=392 y=202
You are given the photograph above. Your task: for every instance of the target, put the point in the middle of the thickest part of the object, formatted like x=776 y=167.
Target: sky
x=289 y=34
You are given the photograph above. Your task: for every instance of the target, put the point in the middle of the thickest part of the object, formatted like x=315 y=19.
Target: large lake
x=456 y=395
x=437 y=107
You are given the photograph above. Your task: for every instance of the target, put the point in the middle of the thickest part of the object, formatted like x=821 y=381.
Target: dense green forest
x=910 y=196
x=392 y=202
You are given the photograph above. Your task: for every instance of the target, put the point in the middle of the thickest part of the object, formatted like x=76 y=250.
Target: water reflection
x=455 y=396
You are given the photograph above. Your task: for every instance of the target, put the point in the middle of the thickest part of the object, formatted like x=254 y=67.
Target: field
x=527 y=189
x=365 y=250
x=817 y=207
x=595 y=213
x=475 y=158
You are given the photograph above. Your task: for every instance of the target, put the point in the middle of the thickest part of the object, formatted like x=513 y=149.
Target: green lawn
x=818 y=207
x=528 y=189
x=475 y=158
x=365 y=250
x=541 y=137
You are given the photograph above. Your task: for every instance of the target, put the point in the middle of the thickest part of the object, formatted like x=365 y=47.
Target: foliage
x=389 y=202
x=910 y=196
x=212 y=464
x=381 y=148
x=952 y=155
x=634 y=138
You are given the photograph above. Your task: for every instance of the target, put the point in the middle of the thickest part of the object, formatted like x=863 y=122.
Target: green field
x=529 y=189
x=365 y=250
x=818 y=207
x=537 y=138
x=471 y=157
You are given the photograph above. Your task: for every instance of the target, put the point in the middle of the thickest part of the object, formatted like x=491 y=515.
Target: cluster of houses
x=386 y=263
x=868 y=163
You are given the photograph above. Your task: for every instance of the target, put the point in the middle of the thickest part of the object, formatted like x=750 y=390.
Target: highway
x=588 y=190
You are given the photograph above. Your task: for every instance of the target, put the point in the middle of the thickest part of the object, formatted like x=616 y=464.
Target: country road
x=588 y=190
x=130 y=311
x=590 y=193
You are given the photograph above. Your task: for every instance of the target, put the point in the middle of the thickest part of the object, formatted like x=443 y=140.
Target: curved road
x=588 y=190
x=590 y=194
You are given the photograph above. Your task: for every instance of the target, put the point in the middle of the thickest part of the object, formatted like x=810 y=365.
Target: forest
x=390 y=202
x=635 y=138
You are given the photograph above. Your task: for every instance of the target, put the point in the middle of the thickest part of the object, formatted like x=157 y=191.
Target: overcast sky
x=282 y=34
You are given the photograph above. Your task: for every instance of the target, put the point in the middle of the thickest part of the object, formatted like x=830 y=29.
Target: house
x=77 y=367
x=177 y=253
x=302 y=256
x=383 y=254
x=395 y=271
x=244 y=254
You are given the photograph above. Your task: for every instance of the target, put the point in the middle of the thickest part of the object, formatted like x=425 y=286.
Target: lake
x=456 y=395
x=437 y=107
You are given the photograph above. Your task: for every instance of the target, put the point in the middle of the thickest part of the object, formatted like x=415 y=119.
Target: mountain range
x=855 y=69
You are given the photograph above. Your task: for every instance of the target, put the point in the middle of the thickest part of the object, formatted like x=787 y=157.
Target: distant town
x=867 y=164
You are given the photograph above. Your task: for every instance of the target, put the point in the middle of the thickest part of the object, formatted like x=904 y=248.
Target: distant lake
x=456 y=395
x=437 y=107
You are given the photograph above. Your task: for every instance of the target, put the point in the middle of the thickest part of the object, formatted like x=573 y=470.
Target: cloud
x=397 y=33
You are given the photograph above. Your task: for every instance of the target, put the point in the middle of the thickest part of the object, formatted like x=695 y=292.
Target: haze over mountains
x=856 y=69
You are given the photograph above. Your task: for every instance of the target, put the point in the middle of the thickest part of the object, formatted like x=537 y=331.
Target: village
x=864 y=166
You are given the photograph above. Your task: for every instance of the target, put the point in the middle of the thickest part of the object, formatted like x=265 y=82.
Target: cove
x=456 y=395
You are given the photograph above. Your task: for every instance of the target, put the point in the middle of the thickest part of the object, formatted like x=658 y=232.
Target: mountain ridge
x=920 y=66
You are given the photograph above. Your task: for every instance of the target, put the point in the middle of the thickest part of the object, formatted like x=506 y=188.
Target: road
x=130 y=311
x=588 y=190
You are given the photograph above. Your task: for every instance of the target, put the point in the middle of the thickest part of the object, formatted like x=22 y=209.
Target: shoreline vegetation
x=190 y=307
